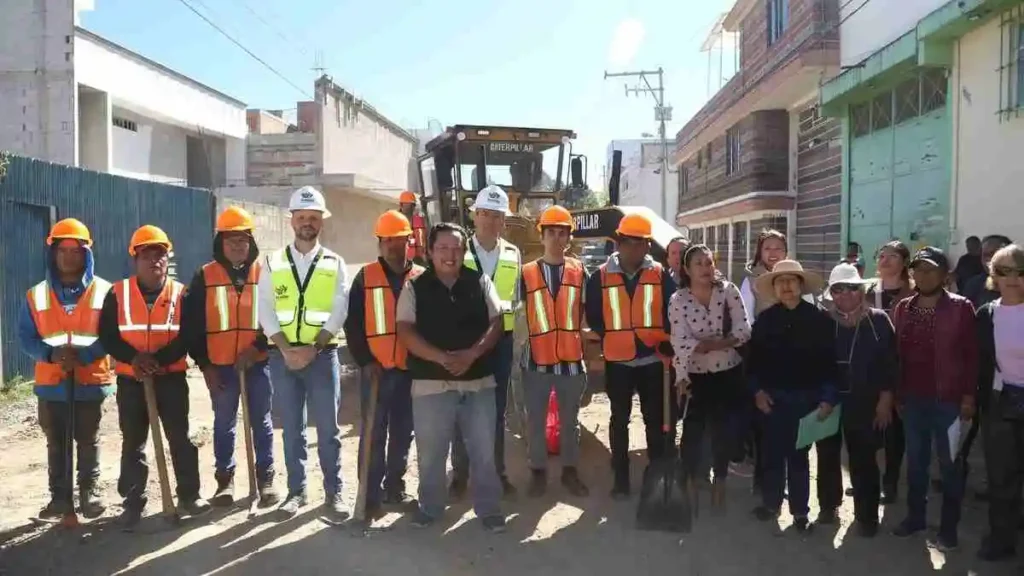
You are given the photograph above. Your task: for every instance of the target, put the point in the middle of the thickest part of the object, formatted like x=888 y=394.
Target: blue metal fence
x=35 y=194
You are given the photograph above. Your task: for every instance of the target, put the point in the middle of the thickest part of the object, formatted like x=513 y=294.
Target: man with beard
x=224 y=339
x=303 y=299
x=938 y=352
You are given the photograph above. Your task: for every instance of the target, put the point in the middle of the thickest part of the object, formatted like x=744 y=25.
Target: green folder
x=812 y=430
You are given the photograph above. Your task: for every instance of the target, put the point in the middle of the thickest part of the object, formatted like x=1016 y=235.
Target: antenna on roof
x=318 y=63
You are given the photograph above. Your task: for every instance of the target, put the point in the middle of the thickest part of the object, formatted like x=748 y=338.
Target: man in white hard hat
x=303 y=295
x=491 y=254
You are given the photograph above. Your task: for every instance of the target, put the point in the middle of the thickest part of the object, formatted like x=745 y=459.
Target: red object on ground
x=553 y=433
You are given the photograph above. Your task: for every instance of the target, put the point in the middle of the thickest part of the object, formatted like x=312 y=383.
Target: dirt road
x=554 y=535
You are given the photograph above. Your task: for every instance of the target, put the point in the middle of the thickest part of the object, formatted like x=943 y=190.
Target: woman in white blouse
x=709 y=322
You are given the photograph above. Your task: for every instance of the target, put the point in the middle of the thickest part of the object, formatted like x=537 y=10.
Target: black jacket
x=987 y=364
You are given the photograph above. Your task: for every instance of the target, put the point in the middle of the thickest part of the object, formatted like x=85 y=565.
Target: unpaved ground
x=555 y=535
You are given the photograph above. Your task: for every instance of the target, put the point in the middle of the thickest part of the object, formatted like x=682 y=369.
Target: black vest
x=452 y=319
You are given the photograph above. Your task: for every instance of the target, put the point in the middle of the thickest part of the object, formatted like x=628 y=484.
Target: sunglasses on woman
x=1007 y=272
x=843 y=288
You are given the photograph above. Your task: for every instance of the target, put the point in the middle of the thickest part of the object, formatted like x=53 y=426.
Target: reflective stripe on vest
x=149 y=328
x=554 y=322
x=78 y=328
x=505 y=276
x=379 y=309
x=232 y=316
x=627 y=319
x=302 y=313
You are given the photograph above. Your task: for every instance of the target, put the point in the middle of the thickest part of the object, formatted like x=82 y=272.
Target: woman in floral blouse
x=709 y=322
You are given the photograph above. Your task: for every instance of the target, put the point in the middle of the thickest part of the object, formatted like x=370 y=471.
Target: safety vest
x=379 y=303
x=506 y=274
x=148 y=328
x=78 y=328
x=625 y=318
x=417 y=241
x=303 y=311
x=554 y=322
x=232 y=317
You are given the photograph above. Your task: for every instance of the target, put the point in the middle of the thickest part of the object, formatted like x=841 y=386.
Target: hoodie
x=194 y=306
x=32 y=343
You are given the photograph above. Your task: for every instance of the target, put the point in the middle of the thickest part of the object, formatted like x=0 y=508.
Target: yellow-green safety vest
x=506 y=274
x=302 y=313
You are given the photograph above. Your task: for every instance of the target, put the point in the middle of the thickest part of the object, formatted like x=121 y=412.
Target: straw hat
x=763 y=285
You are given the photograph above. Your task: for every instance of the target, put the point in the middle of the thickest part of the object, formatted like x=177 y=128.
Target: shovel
x=166 y=498
x=359 y=510
x=664 y=500
x=250 y=459
x=70 y=519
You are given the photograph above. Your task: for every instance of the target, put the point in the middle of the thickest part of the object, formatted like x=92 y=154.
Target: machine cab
x=526 y=162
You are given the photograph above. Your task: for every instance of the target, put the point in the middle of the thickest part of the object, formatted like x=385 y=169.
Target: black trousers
x=977 y=424
x=862 y=444
x=714 y=401
x=895 y=444
x=53 y=419
x=621 y=382
x=172 y=406
x=1004 y=459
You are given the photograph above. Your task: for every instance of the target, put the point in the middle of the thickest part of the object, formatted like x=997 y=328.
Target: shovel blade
x=664 y=502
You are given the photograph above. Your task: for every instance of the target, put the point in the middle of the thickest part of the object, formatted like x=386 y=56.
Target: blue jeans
x=316 y=388
x=502 y=375
x=436 y=417
x=225 y=417
x=392 y=425
x=926 y=421
x=782 y=464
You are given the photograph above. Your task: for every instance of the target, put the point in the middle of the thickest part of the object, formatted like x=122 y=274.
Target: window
x=778 y=19
x=860 y=119
x=684 y=181
x=700 y=159
x=125 y=124
x=1020 y=65
x=933 y=90
x=1011 y=63
x=732 y=150
x=708 y=154
x=881 y=111
x=908 y=100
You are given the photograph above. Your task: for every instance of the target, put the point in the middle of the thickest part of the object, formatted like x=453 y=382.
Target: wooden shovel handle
x=166 y=497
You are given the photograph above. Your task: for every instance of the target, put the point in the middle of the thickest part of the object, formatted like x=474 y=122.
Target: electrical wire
x=188 y=5
x=291 y=42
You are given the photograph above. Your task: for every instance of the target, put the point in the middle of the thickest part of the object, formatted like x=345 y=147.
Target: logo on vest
x=280 y=292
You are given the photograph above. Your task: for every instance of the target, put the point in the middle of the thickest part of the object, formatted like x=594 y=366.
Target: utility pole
x=661 y=114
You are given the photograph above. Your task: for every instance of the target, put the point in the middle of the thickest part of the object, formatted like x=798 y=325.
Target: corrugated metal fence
x=35 y=194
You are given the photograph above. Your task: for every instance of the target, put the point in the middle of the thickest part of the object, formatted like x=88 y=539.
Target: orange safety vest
x=417 y=242
x=79 y=328
x=148 y=329
x=379 y=305
x=232 y=322
x=626 y=319
x=554 y=322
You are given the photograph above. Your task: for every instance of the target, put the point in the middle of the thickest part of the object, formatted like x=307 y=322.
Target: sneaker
x=906 y=529
x=224 y=495
x=269 y=495
x=293 y=502
x=990 y=553
x=422 y=520
x=538 y=483
x=803 y=525
x=335 y=507
x=867 y=529
x=827 y=517
x=572 y=483
x=195 y=506
x=764 y=513
x=457 y=488
x=55 y=509
x=944 y=543
x=494 y=524
x=90 y=503
x=507 y=488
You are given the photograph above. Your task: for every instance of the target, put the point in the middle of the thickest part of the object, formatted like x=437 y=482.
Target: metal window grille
x=934 y=83
x=732 y=151
x=881 y=111
x=1011 y=63
x=860 y=119
x=908 y=100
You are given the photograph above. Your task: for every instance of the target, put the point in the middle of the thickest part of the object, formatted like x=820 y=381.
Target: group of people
x=908 y=363
x=432 y=326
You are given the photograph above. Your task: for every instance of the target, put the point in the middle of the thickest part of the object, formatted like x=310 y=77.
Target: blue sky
x=517 y=62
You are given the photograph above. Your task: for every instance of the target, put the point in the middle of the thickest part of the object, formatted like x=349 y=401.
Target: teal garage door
x=899 y=166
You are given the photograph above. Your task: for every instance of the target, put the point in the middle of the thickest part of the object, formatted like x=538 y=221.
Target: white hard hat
x=308 y=198
x=492 y=198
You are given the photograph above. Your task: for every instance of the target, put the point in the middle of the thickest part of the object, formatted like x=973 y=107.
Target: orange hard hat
x=406 y=198
x=556 y=216
x=148 y=235
x=635 y=226
x=235 y=219
x=392 y=224
x=69 y=228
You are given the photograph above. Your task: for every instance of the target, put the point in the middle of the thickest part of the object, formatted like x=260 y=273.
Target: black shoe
x=936 y=484
x=572 y=483
x=494 y=524
x=538 y=483
x=269 y=495
x=457 y=488
x=764 y=513
x=292 y=503
x=621 y=490
x=194 y=506
x=906 y=529
x=827 y=517
x=990 y=553
x=867 y=529
x=90 y=503
x=398 y=498
x=944 y=543
x=130 y=517
x=803 y=525
x=507 y=488
x=225 y=493
x=889 y=495
x=55 y=509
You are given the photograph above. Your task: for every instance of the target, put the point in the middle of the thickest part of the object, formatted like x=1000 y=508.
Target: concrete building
x=355 y=155
x=898 y=111
x=640 y=178
x=758 y=155
x=72 y=97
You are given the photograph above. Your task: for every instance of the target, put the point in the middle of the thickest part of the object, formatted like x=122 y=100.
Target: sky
x=536 y=63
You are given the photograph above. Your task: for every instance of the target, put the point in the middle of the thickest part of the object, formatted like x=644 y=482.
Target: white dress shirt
x=488 y=260
x=265 y=291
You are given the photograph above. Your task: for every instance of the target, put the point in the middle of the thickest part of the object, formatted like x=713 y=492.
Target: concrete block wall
x=37 y=81
x=281 y=159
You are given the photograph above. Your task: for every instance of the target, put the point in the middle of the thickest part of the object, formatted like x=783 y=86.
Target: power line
x=244 y=49
x=289 y=41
